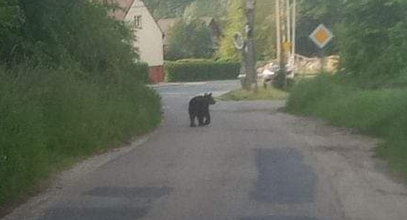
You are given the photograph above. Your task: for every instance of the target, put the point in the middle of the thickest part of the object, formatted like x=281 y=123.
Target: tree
x=206 y=8
x=264 y=29
x=189 y=40
x=56 y=32
x=176 y=8
x=312 y=13
x=373 y=39
x=235 y=23
x=167 y=8
x=11 y=20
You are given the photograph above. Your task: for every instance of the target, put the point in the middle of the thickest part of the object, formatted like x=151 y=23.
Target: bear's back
x=198 y=102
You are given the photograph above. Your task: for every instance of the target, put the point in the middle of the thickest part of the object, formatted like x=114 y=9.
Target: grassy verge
x=50 y=118
x=262 y=94
x=380 y=112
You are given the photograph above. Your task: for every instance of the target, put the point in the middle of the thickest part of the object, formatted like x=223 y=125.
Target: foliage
x=265 y=37
x=11 y=20
x=206 y=8
x=264 y=29
x=140 y=71
x=370 y=36
x=189 y=40
x=200 y=70
x=167 y=8
x=235 y=23
x=49 y=117
x=194 y=8
x=373 y=39
x=380 y=112
x=311 y=13
x=69 y=86
x=51 y=32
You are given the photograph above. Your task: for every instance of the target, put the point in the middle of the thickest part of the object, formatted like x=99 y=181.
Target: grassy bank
x=49 y=118
x=379 y=112
x=262 y=94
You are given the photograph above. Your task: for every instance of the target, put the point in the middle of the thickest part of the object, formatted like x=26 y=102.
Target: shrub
x=140 y=71
x=189 y=39
x=200 y=70
x=380 y=112
x=307 y=92
x=50 y=117
x=69 y=87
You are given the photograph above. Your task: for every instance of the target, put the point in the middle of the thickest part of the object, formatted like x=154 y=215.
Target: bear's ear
x=205 y=94
x=209 y=94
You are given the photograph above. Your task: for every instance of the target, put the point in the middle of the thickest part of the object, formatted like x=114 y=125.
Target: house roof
x=167 y=23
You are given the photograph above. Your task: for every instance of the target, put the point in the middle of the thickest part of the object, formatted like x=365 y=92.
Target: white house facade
x=148 y=35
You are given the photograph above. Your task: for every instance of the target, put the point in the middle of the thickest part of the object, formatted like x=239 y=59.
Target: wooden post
x=251 y=75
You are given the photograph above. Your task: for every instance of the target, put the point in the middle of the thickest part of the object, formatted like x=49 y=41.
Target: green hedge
x=140 y=71
x=200 y=70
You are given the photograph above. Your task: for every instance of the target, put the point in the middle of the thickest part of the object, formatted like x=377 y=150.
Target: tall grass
x=49 y=117
x=380 y=112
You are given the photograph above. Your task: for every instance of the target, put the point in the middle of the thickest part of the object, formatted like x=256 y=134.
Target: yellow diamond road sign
x=321 y=36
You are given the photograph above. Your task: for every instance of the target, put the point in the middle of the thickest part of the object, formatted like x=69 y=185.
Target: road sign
x=321 y=36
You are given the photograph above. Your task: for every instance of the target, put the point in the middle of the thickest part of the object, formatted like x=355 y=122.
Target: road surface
x=253 y=162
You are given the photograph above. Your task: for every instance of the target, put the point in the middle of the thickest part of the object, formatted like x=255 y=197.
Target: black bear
x=199 y=108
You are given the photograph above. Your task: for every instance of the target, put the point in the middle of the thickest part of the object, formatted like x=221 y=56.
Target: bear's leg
x=201 y=120
x=207 y=119
x=192 y=118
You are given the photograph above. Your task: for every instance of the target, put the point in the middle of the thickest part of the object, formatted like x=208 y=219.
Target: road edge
x=38 y=204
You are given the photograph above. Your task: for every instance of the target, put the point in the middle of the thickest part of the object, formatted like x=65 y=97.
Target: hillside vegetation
x=69 y=86
x=370 y=92
x=182 y=8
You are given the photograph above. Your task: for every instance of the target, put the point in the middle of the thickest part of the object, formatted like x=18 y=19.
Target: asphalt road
x=253 y=162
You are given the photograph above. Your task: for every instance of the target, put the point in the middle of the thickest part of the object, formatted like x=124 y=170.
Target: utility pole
x=281 y=37
x=251 y=76
x=293 y=48
x=288 y=23
x=278 y=30
x=286 y=34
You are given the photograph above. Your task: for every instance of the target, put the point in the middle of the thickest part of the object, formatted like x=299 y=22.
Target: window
x=137 y=22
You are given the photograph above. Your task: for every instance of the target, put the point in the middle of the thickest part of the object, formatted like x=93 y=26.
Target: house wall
x=156 y=74
x=149 y=39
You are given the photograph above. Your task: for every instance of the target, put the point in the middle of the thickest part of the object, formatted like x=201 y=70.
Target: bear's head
x=208 y=97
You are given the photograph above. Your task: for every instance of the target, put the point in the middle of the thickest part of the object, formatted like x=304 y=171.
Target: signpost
x=285 y=11
x=321 y=36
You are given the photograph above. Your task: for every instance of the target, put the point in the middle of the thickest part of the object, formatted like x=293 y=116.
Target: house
x=148 y=36
x=167 y=23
